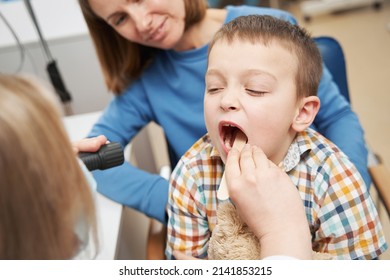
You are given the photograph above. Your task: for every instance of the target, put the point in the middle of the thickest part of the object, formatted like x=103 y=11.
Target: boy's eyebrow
x=216 y=72
x=259 y=72
x=213 y=72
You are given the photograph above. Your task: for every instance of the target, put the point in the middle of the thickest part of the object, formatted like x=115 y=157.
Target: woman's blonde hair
x=123 y=61
x=43 y=191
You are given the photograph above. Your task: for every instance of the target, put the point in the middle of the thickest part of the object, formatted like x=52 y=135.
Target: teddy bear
x=233 y=240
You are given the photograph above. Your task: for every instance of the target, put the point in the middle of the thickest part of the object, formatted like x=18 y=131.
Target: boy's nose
x=229 y=101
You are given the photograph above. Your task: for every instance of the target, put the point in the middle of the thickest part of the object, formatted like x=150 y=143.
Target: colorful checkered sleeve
x=192 y=202
x=188 y=229
x=346 y=221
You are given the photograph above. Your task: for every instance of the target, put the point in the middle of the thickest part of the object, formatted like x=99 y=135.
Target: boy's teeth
x=227 y=140
x=227 y=144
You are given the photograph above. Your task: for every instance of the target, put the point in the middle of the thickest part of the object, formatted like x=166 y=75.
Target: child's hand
x=89 y=144
x=268 y=202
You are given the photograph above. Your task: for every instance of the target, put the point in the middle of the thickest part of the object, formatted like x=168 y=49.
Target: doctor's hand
x=268 y=202
x=181 y=256
x=89 y=144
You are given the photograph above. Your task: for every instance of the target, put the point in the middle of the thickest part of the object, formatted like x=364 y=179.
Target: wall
x=63 y=27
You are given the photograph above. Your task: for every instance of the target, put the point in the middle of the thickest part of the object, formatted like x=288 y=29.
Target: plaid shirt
x=341 y=214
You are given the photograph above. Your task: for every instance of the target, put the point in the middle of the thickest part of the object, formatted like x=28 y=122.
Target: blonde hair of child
x=44 y=193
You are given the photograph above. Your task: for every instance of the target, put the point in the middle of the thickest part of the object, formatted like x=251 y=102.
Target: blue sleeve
x=337 y=122
x=126 y=184
x=135 y=188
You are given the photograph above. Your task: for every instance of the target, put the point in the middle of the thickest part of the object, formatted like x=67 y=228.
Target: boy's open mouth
x=229 y=133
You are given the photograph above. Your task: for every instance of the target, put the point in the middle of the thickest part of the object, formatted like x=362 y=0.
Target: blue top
x=170 y=93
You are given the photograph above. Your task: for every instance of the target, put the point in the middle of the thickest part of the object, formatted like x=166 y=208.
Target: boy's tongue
x=239 y=143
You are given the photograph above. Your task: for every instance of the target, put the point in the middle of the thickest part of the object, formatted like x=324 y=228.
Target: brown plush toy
x=233 y=240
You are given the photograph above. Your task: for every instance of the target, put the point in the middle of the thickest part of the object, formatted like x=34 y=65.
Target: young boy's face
x=251 y=87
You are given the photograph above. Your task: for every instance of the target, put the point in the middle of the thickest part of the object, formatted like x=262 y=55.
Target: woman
x=46 y=206
x=153 y=55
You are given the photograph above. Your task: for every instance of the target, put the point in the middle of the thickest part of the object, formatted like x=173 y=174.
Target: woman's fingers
x=259 y=158
x=89 y=144
x=181 y=256
x=247 y=164
x=232 y=164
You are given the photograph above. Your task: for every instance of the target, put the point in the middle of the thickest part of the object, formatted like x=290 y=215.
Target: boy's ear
x=307 y=111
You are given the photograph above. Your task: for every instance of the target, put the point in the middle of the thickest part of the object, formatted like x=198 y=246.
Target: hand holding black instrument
x=109 y=155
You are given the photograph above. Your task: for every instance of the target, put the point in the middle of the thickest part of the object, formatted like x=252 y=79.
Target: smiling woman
x=136 y=21
x=140 y=26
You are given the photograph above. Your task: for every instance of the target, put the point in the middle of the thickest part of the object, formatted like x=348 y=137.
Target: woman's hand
x=181 y=256
x=89 y=144
x=268 y=202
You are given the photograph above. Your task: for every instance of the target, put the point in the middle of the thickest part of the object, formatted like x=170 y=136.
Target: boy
x=262 y=79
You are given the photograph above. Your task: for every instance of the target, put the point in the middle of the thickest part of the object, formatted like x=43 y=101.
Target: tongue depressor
x=239 y=143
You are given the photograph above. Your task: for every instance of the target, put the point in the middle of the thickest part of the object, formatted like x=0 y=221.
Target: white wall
x=63 y=27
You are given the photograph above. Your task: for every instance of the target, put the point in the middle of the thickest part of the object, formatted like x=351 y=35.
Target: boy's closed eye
x=214 y=90
x=214 y=85
x=256 y=92
x=258 y=82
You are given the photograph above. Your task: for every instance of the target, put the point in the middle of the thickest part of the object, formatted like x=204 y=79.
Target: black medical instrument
x=54 y=73
x=109 y=155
